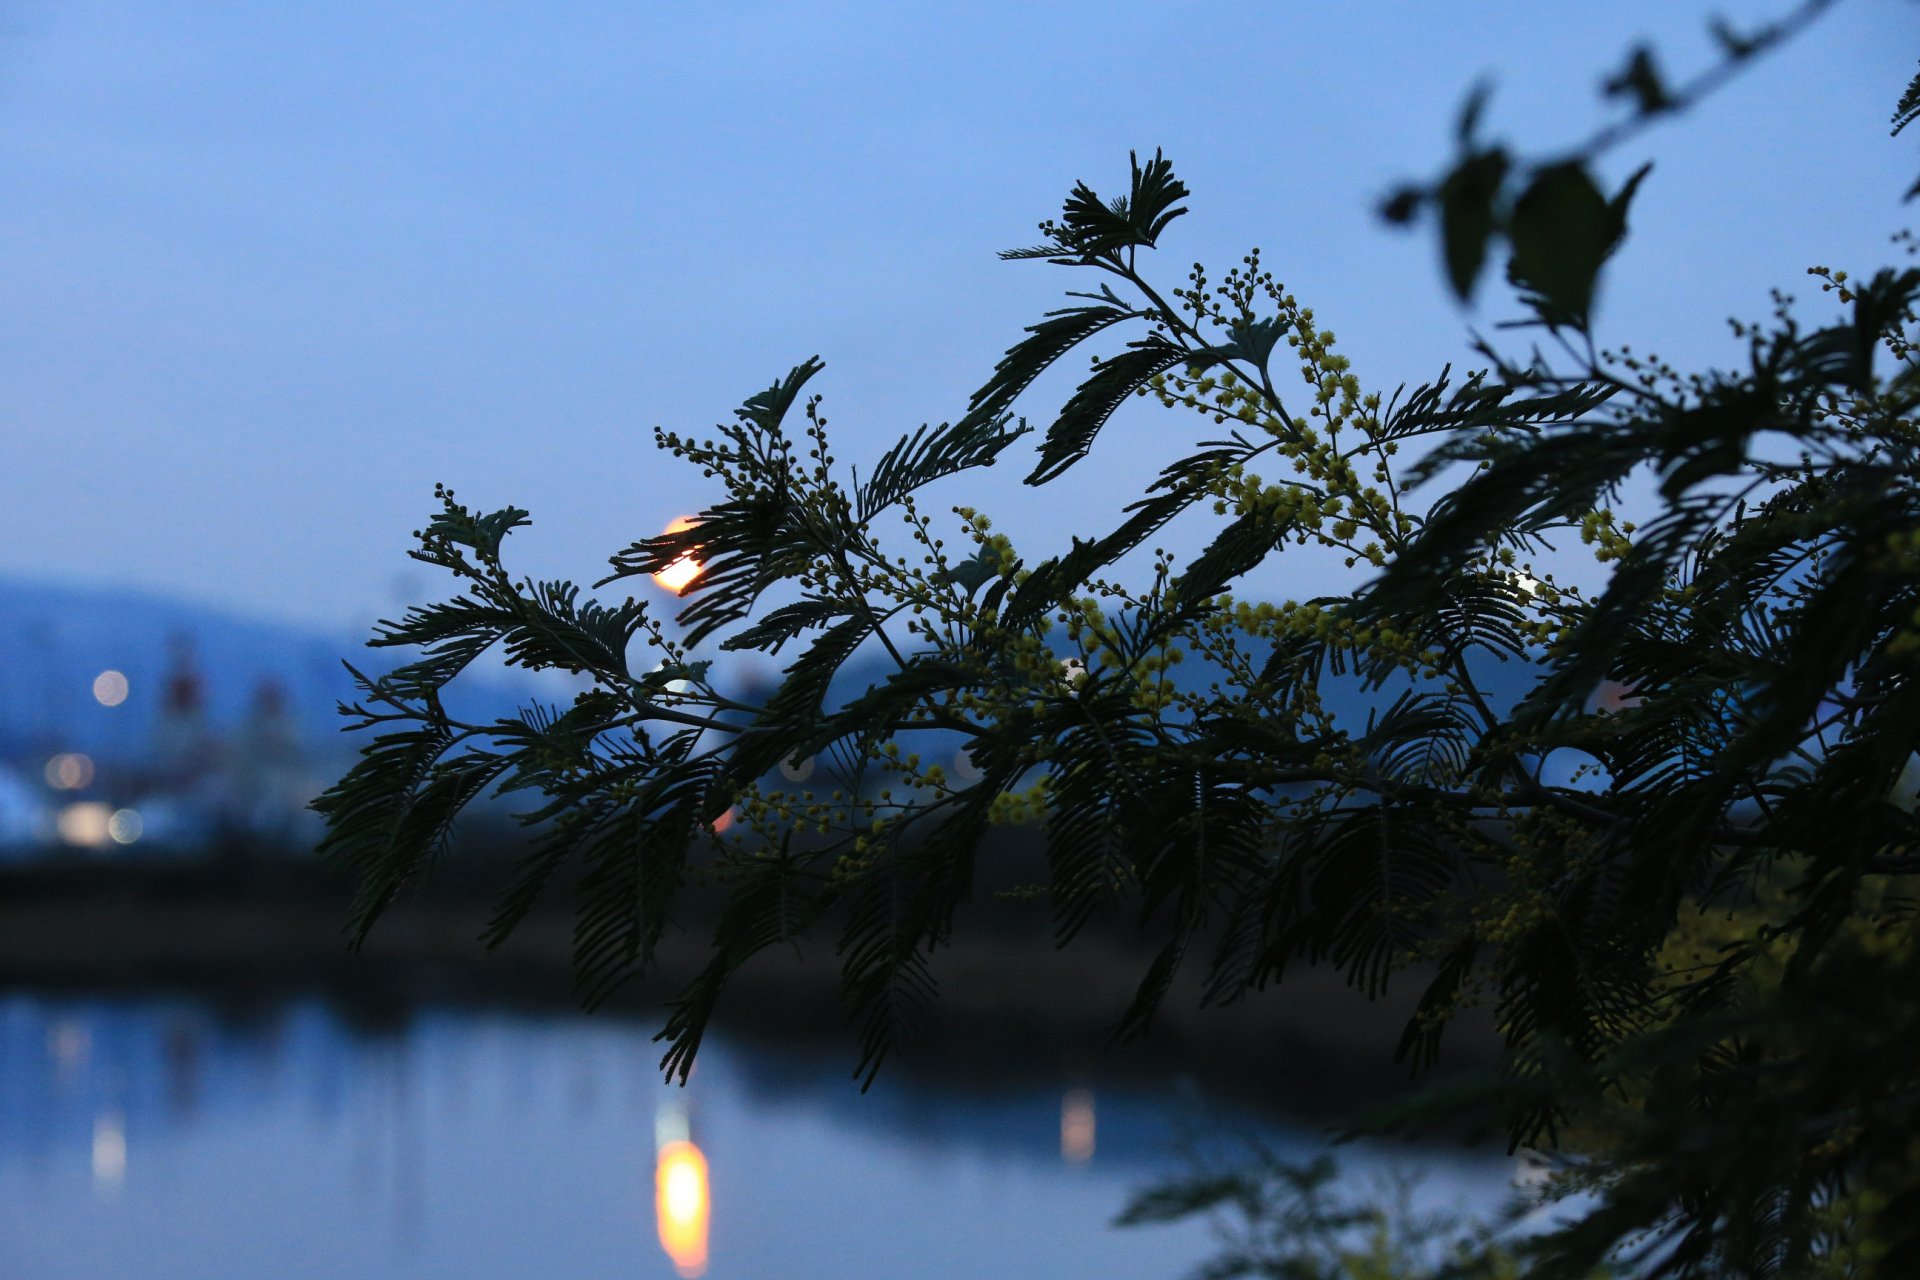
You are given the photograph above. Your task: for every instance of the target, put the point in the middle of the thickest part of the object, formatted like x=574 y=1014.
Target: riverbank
x=1010 y=1001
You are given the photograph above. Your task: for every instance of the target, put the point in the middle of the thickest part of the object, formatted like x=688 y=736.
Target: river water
x=167 y=1138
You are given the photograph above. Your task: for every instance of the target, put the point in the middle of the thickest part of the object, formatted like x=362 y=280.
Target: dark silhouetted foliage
x=1664 y=825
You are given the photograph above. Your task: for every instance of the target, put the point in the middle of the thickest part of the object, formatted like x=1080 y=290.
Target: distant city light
x=87 y=825
x=679 y=575
x=69 y=771
x=125 y=826
x=110 y=688
x=722 y=822
x=680 y=1204
x=1076 y=1126
x=109 y=1151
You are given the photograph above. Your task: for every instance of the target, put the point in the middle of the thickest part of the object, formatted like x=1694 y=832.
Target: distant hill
x=55 y=640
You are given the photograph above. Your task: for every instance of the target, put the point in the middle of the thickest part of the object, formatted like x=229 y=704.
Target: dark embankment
x=1011 y=1003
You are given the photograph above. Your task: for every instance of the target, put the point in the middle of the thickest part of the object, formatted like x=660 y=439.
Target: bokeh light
x=110 y=688
x=126 y=826
x=69 y=771
x=87 y=825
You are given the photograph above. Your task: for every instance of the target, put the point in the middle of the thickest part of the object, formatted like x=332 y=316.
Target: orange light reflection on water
x=1077 y=1126
x=681 y=1205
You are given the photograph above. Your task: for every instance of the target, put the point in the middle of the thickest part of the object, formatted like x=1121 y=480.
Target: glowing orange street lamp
x=679 y=575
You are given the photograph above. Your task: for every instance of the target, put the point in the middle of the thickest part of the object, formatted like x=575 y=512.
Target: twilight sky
x=269 y=271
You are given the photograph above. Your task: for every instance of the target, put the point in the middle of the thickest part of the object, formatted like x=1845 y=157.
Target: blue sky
x=270 y=271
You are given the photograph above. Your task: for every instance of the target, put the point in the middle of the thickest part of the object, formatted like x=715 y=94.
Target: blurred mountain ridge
x=56 y=640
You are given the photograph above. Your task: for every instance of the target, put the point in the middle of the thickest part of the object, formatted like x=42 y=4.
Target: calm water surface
x=157 y=1138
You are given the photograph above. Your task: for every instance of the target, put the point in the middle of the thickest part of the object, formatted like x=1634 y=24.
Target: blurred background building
x=131 y=725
